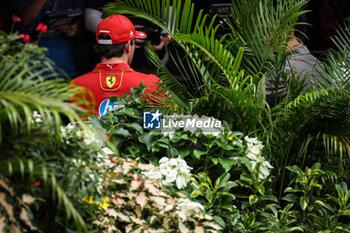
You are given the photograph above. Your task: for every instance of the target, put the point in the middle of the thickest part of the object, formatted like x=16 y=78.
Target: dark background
x=325 y=17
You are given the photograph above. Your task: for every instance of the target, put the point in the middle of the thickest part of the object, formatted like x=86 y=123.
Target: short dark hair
x=109 y=50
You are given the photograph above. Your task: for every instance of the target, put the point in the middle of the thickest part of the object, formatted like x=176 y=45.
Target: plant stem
x=284 y=168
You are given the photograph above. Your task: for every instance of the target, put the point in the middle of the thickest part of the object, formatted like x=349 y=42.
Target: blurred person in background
x=159 y=39
x=299 y=62
x=59 y=46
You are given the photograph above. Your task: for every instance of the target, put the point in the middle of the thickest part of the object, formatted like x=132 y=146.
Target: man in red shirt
x=115 y=38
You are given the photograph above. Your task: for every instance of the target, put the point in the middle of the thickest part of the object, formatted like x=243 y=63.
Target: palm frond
x=316 y=118
x=205 y=44
x=337 y=145
x=264 y=30
x=198 y=45
x=302 y=100
x=181 y=85
x=336 y=72
x=237 y=107
x=171 y=16
x=22 y=91
x=28 y=167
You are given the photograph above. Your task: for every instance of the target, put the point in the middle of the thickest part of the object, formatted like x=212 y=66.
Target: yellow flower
x=90 y=199
x=230 y=138
x=105 y=203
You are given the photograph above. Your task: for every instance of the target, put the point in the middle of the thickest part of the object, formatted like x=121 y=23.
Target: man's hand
x=69 y=30
x=163 y=41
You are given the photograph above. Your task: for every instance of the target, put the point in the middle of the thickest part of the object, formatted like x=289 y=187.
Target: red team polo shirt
x=112 y=80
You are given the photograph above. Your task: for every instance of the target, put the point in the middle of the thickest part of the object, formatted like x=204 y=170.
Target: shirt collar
x=112 y=67
x=301 y=50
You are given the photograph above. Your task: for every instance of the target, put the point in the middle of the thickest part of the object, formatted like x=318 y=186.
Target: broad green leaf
x=198 y=153
x=261 y=189
x=294 y=169
x=253 y=199
x=269 y=198
x=121 y=131
x=325 y=205
x=134 y=126
x=226 y=163
x=304 y=201
x=215 y=160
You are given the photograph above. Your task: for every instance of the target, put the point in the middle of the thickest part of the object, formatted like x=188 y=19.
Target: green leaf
x=261 y=189
x=219 y=221
x=214 y=160
x=127 y=111
x=294 y=169
x=226 y=163
x=340 y=191
x=291 y=190
x=269 y=198
x=346 y=212
x=134 y=126
x=290 y=198
x=304 y=201
x=196 y=193
x=253 y=199
x=325 y=205
x=172 y=152
x=121 y=131
x=316 y=166
x=246 y=161
x=163 y=145
x=198 y=153
x=184 y=151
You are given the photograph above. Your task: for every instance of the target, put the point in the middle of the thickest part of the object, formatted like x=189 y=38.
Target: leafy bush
x=45 y=169
x=141 y=204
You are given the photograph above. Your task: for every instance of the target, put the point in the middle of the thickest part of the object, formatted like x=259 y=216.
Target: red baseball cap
x=118 y=27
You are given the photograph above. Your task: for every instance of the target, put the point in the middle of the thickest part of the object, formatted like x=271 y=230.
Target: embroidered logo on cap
x=131 y=33
x=141 y=35
x=110 y=80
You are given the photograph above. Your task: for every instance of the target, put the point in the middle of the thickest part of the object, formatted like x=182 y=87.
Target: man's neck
x=114 y=60
x=294 y=43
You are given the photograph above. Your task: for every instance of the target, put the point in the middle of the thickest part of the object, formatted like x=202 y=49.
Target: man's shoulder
x=145 y=77
x=84 y=78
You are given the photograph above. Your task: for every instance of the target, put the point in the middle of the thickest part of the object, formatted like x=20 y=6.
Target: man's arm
x=30 y=11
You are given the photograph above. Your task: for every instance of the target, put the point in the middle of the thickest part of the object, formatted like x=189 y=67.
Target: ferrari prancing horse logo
x=110 y=80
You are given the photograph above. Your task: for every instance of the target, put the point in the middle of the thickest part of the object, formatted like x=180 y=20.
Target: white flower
x=163 y=169
x=171 y=177
x=173 y=162
x=36 y=117
x=215 y=134
x=252 y=140
x=254 y=147
x=89 y=137
x=253 y=165
x=255 y=150
x=264 y=169
x=252 y=156
x=70 y=126
x=153 y=174
x=181 y=181
x=170 y=171
x=189 y=208
x=107 y=151
x=170 y=134
x=164 y=160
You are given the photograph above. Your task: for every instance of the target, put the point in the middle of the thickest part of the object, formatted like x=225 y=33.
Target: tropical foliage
x=278 y=166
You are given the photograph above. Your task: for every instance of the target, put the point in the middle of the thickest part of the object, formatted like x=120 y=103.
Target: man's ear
x=127 y=46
